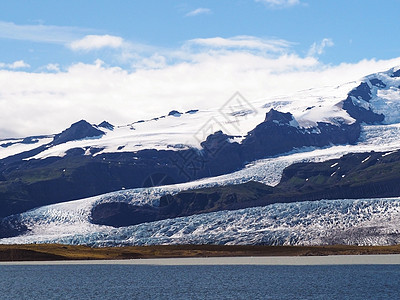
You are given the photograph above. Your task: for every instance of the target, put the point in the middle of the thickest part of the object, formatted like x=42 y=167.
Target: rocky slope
x=353 y=176
x=28 y=183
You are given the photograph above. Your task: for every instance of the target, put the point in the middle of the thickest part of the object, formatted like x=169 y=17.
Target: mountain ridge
x=107 y=172
x=353 y=176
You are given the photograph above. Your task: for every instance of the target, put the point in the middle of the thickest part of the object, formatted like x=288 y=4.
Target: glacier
x=303 y=223
x=341 y=221
x=353 y=222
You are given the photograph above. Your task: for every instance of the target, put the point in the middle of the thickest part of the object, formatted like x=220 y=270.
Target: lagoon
x=330 y=277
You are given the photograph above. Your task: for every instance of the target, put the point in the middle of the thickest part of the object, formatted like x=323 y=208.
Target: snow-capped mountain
x=374 y=99
x=239 y=142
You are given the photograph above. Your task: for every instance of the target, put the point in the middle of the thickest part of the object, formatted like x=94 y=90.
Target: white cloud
x=140 y=56
x=243 y=42
x=19 y=64
x=40 y=33
x=318 y=48
x=94 y=42
x=156 y=61
x=279 y=3
x=198 y=11
x=33 y=103
x=53 y=67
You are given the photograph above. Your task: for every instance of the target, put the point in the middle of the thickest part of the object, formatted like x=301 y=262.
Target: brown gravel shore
x=54 y=252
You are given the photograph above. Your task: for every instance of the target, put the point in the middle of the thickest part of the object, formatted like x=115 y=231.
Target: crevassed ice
x=357 y=222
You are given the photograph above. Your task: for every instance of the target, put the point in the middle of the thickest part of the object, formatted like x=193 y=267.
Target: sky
x=122 y=61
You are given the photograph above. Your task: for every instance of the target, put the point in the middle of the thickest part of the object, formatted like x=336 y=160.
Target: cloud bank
x=95 y=42
x=41 y=33
x=19 y=64
x=201 y=74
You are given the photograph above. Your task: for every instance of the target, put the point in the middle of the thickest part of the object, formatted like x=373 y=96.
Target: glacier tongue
x=356 y=222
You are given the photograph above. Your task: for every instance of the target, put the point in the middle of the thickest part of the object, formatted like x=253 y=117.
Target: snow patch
x=364 y=160
x=16 y=146
x=386 y=154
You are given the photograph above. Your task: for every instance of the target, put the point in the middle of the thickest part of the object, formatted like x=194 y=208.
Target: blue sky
x=46 y=46
x=357 y=29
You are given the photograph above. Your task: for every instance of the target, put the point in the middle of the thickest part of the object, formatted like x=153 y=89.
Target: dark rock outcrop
x=119 y=214
x=361 y=114
x=174 y=113
x=77 y=131
x=184 y=204
x=396 y=74
x=280 y=118
x=106 y=125
x=363 y=91
x=207 y=200
x=192 y=111
x=11 y=226
x=377 y=82
x=353 y=176
x=276 y=135
x=29 y=140
x=355 y=110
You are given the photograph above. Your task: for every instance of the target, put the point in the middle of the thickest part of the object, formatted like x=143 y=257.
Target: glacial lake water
x=198 y=281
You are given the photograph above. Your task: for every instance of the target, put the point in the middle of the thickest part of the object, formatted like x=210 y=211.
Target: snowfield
x=188 y=129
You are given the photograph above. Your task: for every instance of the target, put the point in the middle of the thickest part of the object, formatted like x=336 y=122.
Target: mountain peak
x=106 y=125
x=396 y=73
x=79 y=130
x=279 y=117
x=174 y=113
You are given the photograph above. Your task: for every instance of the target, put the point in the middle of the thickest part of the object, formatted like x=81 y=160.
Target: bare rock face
x=77 y=131
x=186 y=203
x=119 y=214
x=277 y=134
x=106 y=125
x=357 y=111
x=11 y=226
x=396 y=74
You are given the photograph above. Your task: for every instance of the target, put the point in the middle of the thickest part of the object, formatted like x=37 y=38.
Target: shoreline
x=382 y=259
x=196 y=253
